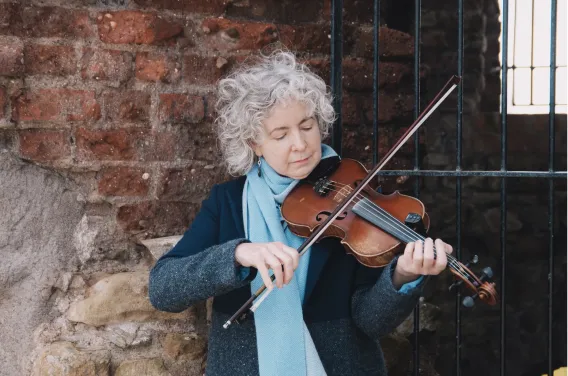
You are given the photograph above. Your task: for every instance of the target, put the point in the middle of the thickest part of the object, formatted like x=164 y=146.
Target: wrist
x=401 y=277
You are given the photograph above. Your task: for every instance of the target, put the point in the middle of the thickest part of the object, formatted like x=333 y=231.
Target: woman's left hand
x=418 y=259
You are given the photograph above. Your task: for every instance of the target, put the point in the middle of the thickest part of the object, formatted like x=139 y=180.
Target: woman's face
x=291 y=141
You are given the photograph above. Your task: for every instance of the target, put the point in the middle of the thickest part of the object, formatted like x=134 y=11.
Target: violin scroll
x=481 y=286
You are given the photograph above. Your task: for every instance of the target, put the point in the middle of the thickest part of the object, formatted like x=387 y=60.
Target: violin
x=338 y=199
x=375 y=227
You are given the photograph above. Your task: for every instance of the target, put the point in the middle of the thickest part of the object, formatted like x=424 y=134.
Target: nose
x=299 y=142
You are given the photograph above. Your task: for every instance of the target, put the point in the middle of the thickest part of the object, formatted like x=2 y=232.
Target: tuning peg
x=473 y=260
x=486 y=273
x=469 y=301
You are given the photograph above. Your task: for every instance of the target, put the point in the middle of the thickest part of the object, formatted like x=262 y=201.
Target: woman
x=327 y=311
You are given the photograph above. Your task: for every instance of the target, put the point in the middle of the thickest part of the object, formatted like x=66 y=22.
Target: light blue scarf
x=285 y=346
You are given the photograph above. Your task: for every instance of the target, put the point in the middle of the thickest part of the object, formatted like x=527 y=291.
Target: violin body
x=308 y=205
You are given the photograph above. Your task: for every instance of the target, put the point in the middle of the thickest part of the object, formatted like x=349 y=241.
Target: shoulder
x=234 y=187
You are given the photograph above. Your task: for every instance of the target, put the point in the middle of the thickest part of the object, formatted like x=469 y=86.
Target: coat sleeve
x=377 y=307
x=197 y=268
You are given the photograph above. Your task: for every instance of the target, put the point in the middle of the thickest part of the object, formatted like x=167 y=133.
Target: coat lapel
x=235 y=199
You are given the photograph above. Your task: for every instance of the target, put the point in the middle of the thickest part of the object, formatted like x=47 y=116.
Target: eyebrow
x=286 y=127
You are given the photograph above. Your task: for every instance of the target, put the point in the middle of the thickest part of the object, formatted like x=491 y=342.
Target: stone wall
x=106 y=138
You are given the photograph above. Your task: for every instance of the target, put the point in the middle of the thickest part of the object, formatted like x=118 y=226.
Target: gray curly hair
x=246 y=97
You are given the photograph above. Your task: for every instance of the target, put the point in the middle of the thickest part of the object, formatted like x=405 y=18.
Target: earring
x=259 y=172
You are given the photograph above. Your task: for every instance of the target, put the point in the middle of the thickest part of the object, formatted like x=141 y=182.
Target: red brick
x=132 y=106
x=181 y=108
x=136 y=27
x=123 y=181
x=44 y=145
x=108 y=144
x=392 y=43
x=51 y=60
x=358 y=74
x=188 y=184
x=56 y=105
x=2 y=101
x=157 y=67
x=193 y=6
x=287 y=12
x=54 y=22
x=157 y=218
x=11 y=59
x=358 y=108
x=188 y=143
x=237 y=35
x=306 y=38
x=106 y=65
x=202 y=70
x=10 y=19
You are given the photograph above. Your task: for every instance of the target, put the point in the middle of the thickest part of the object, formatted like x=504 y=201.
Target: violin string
x=392 y=221
x=452 y=261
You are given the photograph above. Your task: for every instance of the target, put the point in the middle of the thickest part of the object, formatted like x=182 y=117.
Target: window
x=529 y=44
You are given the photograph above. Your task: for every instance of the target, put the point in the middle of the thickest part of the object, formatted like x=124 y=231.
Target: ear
x=256 y=148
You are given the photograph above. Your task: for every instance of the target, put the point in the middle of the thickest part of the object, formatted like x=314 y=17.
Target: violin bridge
x=342 y=193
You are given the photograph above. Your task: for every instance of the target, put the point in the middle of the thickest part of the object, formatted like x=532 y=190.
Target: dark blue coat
x=347 y=306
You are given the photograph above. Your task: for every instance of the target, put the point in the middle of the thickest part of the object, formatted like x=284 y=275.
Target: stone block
x=146 y=367
x=62 y=358
x=159 y=246
x=122 y=297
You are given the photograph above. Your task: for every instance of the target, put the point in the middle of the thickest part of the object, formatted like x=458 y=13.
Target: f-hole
x=321 y=216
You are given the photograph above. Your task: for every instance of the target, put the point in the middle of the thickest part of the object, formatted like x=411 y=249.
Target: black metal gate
x=459 y=173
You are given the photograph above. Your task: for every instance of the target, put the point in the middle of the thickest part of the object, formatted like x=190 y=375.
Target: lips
x=302 y=160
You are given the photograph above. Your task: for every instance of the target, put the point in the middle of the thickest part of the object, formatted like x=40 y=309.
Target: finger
x=293 y=253
x=429 y=261
x=286 y=261
x=263 y=270
x=442 y=258
x=409 y=251
x=418 y=255
x=274 y=263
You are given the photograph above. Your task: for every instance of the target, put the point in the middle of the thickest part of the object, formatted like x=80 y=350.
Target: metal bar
x=336 y=61
x=552 y=104
x=532 y=52
x=459 y=181
x=504 y=104
x=514 y=46
x=462 y=173
x=376 y=20
x=417 y=24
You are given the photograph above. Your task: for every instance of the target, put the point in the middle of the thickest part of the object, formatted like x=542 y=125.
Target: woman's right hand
x=283 y=260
